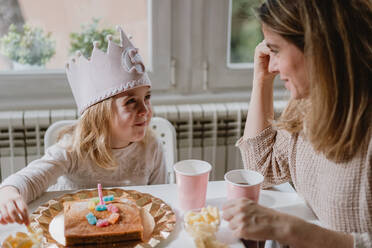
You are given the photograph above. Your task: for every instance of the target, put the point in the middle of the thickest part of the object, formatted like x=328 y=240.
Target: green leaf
x=83 y=41
x=30 y=45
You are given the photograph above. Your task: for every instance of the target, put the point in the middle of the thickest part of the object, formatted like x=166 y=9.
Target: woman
x=322 y=141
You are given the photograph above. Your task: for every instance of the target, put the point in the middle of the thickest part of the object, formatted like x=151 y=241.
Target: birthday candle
x=101 y=202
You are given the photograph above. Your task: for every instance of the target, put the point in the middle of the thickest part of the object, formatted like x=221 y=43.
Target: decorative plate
x=164 y=217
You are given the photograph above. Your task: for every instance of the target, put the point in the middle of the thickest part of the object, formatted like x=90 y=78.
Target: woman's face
x=131 y=115
x=289 y=61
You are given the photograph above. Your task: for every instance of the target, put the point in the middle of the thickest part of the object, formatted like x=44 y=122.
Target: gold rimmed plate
x=49 y=216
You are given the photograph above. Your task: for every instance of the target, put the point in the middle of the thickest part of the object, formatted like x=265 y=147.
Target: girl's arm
x=29 y=183
x=37 y=176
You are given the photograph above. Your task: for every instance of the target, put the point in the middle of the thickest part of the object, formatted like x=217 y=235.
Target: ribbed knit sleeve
x=267 y=153
x=362 y=240
x=34 y=179
x=339 y=193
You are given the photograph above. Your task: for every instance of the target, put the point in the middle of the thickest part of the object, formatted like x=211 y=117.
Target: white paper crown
x=106 y=74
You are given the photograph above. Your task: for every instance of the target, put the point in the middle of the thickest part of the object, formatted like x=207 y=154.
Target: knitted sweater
x=138 y=164
x=340 y=194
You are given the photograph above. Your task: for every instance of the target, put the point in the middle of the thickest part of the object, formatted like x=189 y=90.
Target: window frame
x=188 y=55
x=228 y=47
x=41 y=88
x=222 y=77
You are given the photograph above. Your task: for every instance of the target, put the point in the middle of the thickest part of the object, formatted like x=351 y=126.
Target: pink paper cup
x=192 y=180
x=243 y=184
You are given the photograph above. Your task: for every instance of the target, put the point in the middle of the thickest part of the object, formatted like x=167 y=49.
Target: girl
x=110 y=144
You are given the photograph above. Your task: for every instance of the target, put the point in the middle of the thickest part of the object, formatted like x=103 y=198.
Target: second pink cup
x=243 y=183
x=192 y=181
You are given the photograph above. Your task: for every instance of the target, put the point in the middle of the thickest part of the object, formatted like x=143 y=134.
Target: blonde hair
x=335 y=37
x=90 y=136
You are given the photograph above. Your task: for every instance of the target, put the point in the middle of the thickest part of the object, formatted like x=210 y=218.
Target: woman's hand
x=261 y=65
x=12 y=206
x=248 y=220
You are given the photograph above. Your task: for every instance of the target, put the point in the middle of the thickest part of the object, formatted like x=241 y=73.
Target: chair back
x=162 y=128
x=51 y=134
x=165 y=132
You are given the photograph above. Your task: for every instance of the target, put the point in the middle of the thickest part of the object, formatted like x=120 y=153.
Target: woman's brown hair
x=335 y=37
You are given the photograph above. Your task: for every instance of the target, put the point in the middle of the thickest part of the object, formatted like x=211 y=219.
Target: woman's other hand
x=12 y=206
x=248 y=220
x=261 y=65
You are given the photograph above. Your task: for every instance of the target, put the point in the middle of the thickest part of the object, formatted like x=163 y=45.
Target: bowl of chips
x=202 y=225
x=32 y=239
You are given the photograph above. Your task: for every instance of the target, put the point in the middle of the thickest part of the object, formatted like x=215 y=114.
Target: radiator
x=204 y=131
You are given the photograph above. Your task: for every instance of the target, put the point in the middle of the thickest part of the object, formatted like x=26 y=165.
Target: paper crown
x=106 y=74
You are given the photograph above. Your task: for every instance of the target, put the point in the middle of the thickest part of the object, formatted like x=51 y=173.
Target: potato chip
x=24 y=240
x=202 y=226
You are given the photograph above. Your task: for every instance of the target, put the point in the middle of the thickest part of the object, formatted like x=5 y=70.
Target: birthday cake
x=94 y=221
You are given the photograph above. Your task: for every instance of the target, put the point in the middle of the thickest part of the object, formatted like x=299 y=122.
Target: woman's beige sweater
x=340 y=194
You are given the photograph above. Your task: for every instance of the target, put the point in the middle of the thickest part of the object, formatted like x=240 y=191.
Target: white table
x=282 y=198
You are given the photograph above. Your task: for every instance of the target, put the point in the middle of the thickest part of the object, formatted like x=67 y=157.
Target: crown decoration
x=104 y=75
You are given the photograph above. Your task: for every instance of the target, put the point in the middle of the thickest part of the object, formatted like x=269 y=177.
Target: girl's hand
x=261 y=73
x=248 y=220
x=12 y=206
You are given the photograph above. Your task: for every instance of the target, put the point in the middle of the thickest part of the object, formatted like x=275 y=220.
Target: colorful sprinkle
x=101 y=207
x=95 y=200
x=108 y=198
x=113 y=218
x=102 y=223
x=91 y=218
x=112 y=208
x=90 y=215
x=91 y=205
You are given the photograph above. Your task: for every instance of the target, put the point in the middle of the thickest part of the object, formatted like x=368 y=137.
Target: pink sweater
x=340 y=194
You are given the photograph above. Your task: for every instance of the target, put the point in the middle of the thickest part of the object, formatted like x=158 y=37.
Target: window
x=231 y=35
x=224 y=74
x=64 y=18
x=244 y=33
x=147 y=21
x=195 y=50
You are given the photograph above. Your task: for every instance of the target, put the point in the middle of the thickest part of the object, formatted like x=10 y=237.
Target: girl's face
x=131 y=115
x=289 y=61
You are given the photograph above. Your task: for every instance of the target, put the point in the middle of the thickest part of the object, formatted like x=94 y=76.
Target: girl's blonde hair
x=336 y=39
x=90 y=136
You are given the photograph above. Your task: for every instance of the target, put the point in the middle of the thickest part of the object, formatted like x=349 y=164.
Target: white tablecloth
x=282 y=198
